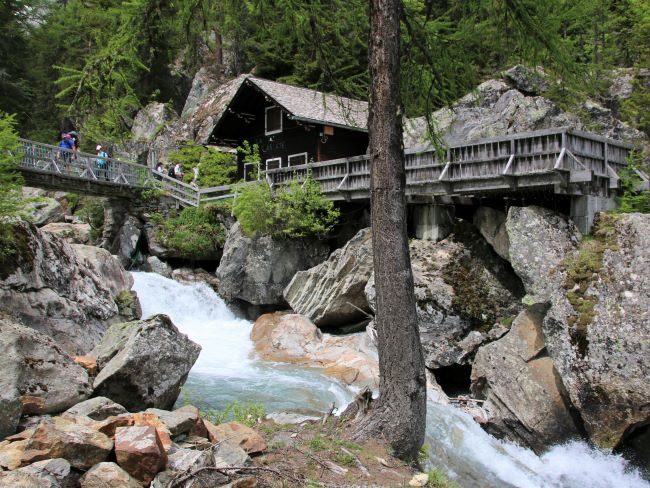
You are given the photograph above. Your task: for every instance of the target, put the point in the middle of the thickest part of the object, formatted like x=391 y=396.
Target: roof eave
x=333 y=124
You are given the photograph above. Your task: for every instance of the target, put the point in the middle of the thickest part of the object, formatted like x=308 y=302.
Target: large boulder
x=332 y=293
x=81 y=446
x=525 y=399
x=539 y=240
x=150 y=120
x=128 y=238
x=144 y=363
x=598 y=325
x=295 y=339
x=463 y=292
x=33 y=366
x=527 y=80
x=205 y=81
x=42 y=208
x=72 y=233
x=257 y=269
x=60 y=292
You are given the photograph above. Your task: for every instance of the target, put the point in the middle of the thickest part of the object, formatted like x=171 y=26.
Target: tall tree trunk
x=401 y=411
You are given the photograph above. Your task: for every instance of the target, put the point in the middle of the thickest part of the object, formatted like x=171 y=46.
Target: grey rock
x=291 y=418
x=144 y=363
x=527 y=80
x=33 y=365
x=332 y=293
x=149 y=121
x=52 y=473
x=98 y=408
x=105 y=475
x=72 y=233
x=42 y=208
x=155 y=265
x=128 y=239
x=195 y=275
x=525 y=399
x=10 y=411
x=59 y=292
x=205 y=81
x=490 y=222
x=539 y=241
x=461 y=287
x=257 y=269
x=179 y=421
x=602 y=356
x=227 y=454
x=189 y=459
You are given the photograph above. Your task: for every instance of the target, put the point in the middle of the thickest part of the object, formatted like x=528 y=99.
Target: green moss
x=15 y=251
x=582 y=268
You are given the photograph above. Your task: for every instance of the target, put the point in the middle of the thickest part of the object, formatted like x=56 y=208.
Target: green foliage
x=196 y=233
x=296 y=210
x=10 y=179
x=438 y=479
x=251 y=155
x=216 y=168
x=245 y=413
x=93 y=214
x=633 y=200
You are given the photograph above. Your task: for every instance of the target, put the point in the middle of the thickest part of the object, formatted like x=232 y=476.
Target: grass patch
x=438 y=479
x=245 y=413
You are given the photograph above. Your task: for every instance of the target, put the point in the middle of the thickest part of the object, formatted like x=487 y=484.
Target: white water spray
x=227 y=371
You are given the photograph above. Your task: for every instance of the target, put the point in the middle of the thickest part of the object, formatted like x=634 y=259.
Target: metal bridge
x=561 y=160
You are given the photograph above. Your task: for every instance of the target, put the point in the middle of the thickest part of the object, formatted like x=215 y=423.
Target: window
x=273 y=163
x=298 y=159
x=273 y=120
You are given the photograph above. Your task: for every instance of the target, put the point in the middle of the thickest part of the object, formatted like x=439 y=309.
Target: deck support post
x=585 y=207
x=432 y=222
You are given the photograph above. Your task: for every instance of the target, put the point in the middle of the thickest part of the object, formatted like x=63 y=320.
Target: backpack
x=170 y=172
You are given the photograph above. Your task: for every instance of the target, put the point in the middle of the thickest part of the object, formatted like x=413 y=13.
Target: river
x=227 y=370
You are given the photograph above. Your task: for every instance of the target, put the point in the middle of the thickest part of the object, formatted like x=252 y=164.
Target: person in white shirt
x=178 y=172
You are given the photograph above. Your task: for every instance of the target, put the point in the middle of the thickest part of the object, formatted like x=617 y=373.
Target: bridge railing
x=534 y=153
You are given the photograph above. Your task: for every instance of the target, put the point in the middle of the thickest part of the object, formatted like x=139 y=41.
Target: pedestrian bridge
x=562 y=161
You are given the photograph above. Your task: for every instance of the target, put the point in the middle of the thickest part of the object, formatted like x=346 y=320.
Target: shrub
x=216 y=168
x=296 y=210
x=632 y=200
x=195 y=232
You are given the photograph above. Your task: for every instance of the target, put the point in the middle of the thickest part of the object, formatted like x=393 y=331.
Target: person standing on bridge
x=178 y=172
x=101 y=162
x=66 y=145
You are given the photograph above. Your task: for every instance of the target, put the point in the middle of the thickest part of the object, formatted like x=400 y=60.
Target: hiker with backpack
x=101 y=163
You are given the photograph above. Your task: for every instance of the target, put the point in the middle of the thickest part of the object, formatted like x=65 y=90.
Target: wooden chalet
x=291 y=125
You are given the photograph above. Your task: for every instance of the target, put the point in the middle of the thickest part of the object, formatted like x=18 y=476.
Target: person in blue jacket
x=66 y=143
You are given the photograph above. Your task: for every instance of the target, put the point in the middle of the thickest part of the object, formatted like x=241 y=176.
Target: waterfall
x=227 y=370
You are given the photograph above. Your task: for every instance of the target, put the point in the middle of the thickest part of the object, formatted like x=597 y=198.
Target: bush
x=215 y=168
x=296 y=210
x=632 y=200
x=195 y=232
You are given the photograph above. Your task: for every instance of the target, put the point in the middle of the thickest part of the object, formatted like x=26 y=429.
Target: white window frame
x=266 y=163
x=266 y=119
x=298 y=154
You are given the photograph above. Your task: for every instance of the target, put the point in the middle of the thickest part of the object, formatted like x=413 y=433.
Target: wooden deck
x=561 y=160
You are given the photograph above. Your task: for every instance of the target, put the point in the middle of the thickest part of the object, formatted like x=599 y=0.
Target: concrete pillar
x=432 y=222
x=585 y=207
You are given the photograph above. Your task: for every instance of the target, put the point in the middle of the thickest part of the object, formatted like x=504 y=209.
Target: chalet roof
x=314 y=106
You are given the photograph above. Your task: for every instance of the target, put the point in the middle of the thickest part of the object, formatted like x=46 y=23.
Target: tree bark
x=400 y=414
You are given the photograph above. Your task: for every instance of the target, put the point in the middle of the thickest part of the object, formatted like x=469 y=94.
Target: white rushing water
x=226 y=370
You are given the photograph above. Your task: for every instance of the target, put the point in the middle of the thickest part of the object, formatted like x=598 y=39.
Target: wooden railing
x=488 y=164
